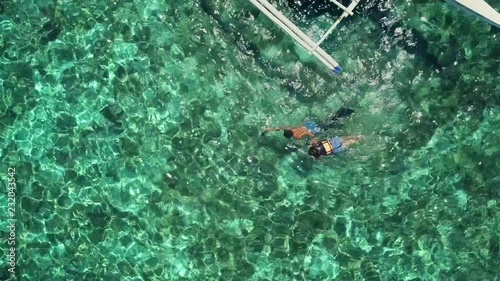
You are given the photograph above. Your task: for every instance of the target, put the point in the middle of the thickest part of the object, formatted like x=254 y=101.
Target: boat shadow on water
x=443 y=104
x=378 y=12
x=446 y=100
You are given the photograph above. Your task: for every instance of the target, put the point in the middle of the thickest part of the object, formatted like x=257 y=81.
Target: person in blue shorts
x=331 y=146
x=310 y=129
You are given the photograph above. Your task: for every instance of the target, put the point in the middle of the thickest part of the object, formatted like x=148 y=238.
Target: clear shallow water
x=134 y=130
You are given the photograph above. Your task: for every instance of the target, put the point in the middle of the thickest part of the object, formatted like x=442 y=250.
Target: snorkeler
x=332 y=146
x=309 y=129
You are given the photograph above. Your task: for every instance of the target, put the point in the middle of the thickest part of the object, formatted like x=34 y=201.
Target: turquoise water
x=134 y=130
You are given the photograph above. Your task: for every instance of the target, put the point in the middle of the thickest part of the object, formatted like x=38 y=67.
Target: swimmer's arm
x=309 y=134
x=303 y=134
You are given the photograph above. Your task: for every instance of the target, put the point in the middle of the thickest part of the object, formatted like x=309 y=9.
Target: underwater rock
x=113 y=113
x=369 y=270
x=50 y=31
x=65 y=122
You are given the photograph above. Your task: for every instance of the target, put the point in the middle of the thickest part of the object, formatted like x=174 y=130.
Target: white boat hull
x=478 y=8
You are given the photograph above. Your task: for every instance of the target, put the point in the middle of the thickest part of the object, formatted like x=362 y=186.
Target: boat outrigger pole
x=307 y=43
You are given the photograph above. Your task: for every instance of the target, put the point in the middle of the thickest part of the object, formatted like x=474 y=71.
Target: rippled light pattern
x=135 y=127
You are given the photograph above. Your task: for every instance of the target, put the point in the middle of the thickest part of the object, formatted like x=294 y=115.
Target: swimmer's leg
x=335 y=121
x=342 y=112
x=350 y=140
